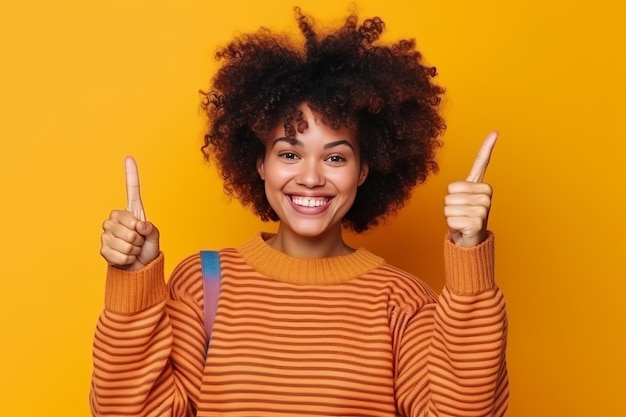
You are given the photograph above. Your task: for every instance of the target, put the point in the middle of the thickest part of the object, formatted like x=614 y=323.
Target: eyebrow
x=329 y=145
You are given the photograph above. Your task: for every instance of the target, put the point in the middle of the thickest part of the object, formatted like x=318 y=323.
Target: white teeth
x=309 y=202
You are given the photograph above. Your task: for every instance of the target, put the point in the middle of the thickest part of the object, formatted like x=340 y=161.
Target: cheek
x=347 y=181
x=276 y=174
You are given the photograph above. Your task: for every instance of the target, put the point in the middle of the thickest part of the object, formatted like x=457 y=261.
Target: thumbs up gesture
x=128 y=240
x=468 y=202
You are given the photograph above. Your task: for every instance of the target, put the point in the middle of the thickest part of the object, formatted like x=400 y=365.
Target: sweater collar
x=306 y=271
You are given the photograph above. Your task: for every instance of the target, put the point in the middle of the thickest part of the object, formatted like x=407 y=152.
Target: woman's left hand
x=468 y=202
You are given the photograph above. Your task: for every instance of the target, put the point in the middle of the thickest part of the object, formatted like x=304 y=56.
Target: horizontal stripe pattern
x=377 y=344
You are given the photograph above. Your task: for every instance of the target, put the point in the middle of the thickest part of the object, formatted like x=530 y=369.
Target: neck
x=322 y=246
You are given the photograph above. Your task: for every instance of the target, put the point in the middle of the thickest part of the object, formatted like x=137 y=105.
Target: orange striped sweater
x=343 y=336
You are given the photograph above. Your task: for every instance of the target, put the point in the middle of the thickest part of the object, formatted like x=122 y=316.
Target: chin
x=310 y=233
x=314 y=230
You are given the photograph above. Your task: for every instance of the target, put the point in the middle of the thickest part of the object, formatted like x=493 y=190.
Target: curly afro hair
x=385 y=92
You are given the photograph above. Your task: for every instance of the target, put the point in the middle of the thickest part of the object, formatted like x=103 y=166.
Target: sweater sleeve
x=141 y=364
x=452 y=354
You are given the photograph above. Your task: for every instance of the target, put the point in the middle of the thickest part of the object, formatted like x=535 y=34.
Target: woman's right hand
x=128 y=240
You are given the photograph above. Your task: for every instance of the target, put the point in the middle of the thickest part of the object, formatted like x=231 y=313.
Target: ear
x=365 y=169
x=260 y=168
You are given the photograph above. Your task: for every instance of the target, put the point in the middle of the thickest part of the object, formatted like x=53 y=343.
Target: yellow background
x=84 y=83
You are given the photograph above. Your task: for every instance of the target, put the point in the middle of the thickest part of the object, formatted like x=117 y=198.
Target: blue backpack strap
x=210 y=260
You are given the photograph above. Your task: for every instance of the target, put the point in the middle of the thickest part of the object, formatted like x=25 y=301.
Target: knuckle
x=135 y=239
x=483 y=200
x=107 y=224
x=125 y=218
x=110 y=256
x=482 y=213
x=116 y=215
x=123 y=260
x=455 y=187
x=105 y=240
x=131 y=249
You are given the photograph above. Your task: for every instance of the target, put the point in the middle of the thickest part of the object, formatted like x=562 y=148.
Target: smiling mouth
x=310 y=201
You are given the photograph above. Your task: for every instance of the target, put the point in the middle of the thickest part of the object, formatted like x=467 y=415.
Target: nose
x=311 y=174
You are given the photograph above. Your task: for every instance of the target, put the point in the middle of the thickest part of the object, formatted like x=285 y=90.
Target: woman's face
x=311 y=180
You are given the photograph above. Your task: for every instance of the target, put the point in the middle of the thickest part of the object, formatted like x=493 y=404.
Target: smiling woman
x=329 y=136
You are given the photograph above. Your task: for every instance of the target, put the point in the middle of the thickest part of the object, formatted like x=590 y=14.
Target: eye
x=336 y=159
x=288 y=155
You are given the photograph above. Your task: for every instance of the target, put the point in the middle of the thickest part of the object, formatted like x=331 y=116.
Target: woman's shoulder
x=401 y=283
